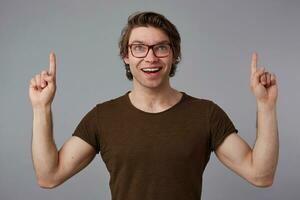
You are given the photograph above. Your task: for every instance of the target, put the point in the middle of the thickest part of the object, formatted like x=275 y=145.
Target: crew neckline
x=155 y=113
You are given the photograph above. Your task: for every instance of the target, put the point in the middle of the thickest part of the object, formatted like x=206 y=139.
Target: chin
x=152 y=84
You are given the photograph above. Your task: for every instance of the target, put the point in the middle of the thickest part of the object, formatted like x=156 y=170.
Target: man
x=155 y=141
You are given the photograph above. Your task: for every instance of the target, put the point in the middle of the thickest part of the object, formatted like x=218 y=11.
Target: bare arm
x=257 y=165
x=53 y=167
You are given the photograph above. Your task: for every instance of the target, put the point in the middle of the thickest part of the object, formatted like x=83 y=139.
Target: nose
x=150 y=57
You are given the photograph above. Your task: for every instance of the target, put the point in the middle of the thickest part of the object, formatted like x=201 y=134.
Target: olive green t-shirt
x=155 y=156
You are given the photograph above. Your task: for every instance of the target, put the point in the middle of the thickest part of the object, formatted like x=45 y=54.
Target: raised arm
x=52 y=167
x=257 y=164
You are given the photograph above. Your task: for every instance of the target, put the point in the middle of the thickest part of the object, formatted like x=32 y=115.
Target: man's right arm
x=53 y=167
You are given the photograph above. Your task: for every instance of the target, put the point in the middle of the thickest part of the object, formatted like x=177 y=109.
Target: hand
x=263 y=84
x=42 y=87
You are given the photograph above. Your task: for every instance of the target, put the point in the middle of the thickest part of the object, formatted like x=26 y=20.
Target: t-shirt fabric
x=158 y=156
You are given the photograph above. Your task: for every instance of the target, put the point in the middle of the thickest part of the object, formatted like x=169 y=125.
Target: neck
x=154 y=99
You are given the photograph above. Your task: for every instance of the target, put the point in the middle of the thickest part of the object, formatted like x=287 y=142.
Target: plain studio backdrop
x=218 y=38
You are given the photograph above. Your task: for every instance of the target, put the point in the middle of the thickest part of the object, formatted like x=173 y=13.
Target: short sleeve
x=220 y=126
x=88 y=130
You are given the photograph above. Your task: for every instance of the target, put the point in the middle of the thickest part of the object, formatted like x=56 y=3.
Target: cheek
x=134 y=64
x=168 y=62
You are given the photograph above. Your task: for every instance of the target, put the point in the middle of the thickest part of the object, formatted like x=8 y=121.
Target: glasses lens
x=161 y=50
x=139 y=50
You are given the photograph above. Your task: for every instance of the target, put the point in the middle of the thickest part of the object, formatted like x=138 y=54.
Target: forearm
x=266 y=148
x=44 y=151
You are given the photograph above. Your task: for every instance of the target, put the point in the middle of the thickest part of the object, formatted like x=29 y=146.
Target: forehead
x=147 y=35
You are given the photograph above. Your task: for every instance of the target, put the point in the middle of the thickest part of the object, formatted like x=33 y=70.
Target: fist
x=42 y=86
x=263 y=84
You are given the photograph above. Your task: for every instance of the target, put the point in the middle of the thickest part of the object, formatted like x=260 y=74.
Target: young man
x=155 y=141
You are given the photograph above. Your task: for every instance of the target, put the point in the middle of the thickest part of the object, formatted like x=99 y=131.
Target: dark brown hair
x=156 y=20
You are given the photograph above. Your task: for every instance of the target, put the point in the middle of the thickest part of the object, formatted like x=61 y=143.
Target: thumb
x=257 y=75
x=49 y=78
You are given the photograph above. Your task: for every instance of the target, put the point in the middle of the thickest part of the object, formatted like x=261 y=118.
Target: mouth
x=151 y=70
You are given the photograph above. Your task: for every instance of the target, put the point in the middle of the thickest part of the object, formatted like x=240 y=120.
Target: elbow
x=46 y=184
x=263 y=182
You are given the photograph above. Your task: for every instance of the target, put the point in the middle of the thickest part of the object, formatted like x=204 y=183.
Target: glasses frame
x=149 y=47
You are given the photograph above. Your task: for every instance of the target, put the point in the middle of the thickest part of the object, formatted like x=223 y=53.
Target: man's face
x=141 y=75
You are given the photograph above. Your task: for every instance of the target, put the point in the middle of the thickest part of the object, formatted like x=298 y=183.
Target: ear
x=173 y=61
x=126 y=60
x=176 y=60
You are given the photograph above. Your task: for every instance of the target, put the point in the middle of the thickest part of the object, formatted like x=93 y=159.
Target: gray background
x=218 y=38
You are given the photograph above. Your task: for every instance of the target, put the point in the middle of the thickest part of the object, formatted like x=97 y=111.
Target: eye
x=139 y=47
x=162 y=47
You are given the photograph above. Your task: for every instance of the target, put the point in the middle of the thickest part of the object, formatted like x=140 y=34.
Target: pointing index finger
x=254 y=63
x=52 y=70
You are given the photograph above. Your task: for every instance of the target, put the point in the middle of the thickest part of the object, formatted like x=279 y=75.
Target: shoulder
x=203 y=103
x=112 y=105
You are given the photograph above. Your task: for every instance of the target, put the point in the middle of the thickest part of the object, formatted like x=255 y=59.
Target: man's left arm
x=258 y=164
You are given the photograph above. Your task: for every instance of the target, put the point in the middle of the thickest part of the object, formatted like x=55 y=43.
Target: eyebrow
x=141 y=42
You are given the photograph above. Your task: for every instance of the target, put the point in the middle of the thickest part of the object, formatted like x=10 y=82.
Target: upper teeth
x=150 y=69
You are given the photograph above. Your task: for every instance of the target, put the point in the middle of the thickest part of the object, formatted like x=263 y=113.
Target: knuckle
x=44 y=72
x=257 y=75
x=32 y=81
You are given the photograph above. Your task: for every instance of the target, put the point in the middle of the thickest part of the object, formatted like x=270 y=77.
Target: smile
x=152 y=70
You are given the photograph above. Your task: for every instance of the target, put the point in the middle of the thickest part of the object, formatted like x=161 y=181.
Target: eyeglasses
x=141 y=50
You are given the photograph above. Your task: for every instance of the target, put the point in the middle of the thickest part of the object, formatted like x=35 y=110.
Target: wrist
x=41 y=108
x=263 y=107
